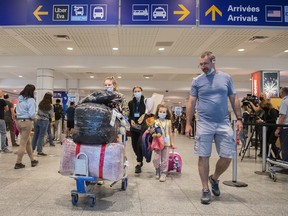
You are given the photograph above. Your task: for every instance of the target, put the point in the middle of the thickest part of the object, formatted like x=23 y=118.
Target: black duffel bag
x=92 y=124
x=110 y=99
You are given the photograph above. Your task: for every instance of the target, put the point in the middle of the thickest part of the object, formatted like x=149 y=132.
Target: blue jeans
x=243 y=138
x=50 y=137
x=40 y=128
x=3 y=134
x=284 y=143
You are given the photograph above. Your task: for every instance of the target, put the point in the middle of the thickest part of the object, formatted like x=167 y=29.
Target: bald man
x=3 y=108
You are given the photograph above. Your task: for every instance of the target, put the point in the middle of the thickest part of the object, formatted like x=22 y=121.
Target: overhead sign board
x=59 y=12
x=158 y=12
x=264 y=13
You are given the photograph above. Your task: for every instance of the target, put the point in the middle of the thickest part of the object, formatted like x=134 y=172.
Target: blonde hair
x=114 y=82
x=267 y=104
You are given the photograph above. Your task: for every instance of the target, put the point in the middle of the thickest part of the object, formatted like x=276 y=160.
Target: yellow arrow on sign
x=185 y=12
x=37 y=12
x=213 y=9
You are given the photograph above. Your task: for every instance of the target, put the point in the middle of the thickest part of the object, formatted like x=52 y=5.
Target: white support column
x=45 y=82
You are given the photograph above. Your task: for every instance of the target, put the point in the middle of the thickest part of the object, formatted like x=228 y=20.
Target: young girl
x=163 y=120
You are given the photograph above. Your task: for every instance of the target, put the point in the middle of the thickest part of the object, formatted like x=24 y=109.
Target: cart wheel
x=92 y=201
x=74 y=199
x=124 y=184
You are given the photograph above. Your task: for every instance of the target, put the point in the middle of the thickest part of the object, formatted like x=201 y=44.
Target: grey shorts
x=221 y=133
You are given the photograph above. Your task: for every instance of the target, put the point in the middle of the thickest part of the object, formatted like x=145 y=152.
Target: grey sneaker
x=214 y=186
x=206 y=196
x=162 y=177
x=7 y=151
x=157 y=175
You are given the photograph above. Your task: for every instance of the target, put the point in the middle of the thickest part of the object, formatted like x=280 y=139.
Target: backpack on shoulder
x=58 y=111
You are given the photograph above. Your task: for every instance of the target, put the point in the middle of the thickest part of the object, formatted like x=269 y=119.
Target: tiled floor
x=42 y=191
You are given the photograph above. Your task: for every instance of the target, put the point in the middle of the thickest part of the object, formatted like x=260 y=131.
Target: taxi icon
x=159 y=12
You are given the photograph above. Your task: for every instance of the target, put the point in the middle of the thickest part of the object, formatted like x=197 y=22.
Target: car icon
x=98 y=12
x=140 y=12
x=79 y=10
x=159 y=12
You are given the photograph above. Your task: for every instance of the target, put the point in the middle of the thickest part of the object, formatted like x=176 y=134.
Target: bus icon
x=98 y=12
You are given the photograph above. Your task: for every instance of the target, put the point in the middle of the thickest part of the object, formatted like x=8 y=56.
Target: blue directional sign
x=227 y=13
x=58 y=12
x=158 y=12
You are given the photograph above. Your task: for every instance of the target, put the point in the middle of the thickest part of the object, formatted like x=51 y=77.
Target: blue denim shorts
x=221 y=133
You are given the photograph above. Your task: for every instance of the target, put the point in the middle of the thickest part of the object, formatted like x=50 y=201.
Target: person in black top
x=137 y=109
x=70 y=119
x=270 y=117
x=3 y=107
x=10 y=120
x=58 y=112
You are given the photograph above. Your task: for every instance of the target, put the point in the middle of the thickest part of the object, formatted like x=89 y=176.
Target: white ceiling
x=23 y=50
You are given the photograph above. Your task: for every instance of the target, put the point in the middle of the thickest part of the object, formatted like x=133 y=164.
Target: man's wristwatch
x=239 y=119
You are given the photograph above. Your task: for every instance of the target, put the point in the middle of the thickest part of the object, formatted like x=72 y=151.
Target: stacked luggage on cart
x=95 y=152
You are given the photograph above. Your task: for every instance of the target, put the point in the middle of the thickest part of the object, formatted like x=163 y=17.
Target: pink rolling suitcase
x=174 y=161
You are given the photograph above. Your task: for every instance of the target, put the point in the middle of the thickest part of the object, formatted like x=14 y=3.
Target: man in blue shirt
x=211 y=90
x=283 y=119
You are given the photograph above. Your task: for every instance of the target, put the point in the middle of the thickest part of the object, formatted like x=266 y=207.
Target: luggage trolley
x=80 y=174
x=84 y=182
x=275 y=165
